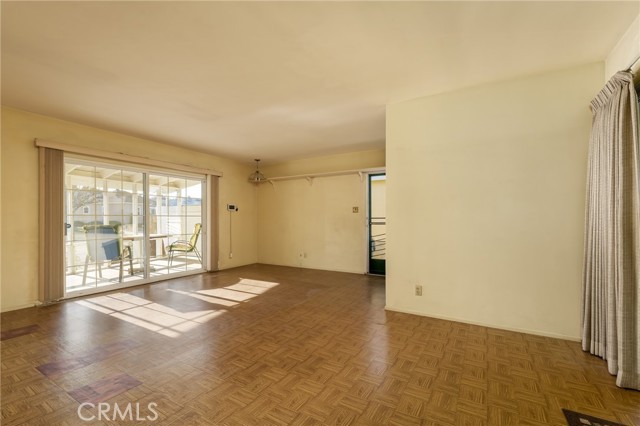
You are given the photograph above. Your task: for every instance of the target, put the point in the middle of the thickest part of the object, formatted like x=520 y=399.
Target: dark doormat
x=578 y=419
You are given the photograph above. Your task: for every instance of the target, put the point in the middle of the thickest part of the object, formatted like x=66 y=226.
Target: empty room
x=320 y=213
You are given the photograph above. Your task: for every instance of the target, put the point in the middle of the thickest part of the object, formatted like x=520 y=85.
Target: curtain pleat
x=51 y=241
x=213 y=228
x=611 y=275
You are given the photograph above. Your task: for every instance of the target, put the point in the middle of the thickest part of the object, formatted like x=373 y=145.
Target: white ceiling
x=279 y=80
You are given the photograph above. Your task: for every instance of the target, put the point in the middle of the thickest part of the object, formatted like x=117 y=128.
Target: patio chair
x=186 y=247
x=104 y=244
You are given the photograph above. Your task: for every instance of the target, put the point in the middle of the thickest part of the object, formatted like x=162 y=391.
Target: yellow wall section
x=19 y=181
x=312 y=225
x=485 y=202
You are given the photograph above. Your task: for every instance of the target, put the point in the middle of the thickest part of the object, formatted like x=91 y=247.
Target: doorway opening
x=377 y=223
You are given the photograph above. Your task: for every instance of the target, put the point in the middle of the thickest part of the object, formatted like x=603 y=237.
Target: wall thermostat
x=232 y=207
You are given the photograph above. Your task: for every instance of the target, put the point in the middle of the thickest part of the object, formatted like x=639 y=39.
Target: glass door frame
x=373 y=267
x=205 y=215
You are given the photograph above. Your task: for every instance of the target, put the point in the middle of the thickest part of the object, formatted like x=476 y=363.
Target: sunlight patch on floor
x=152 y=316
x=204 y=298
x=167 y=321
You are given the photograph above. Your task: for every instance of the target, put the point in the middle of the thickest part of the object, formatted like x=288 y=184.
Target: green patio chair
x=186 y=247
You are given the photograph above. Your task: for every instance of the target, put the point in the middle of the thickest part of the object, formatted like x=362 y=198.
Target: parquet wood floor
x=268 y=345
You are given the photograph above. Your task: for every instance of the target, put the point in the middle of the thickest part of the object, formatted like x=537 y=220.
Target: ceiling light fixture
x=257 y=177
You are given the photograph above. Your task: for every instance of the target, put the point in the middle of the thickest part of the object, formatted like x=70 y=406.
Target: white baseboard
x=483 y=324
x=317 y=268
x=23 y=306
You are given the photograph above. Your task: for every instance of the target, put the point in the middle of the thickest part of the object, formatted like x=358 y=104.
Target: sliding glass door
x=175 y=224
x=126 y=226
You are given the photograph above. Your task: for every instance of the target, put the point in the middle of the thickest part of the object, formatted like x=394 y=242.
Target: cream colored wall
x=485 y=202
x=625 y=52
x=312 y=225
x=19 y=186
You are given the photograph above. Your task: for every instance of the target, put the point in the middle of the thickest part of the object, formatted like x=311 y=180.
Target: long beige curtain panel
x=611 y=277
x=51 y=241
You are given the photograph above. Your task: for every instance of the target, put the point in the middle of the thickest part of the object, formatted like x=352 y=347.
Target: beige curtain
x=611 y=279
x=51 y=240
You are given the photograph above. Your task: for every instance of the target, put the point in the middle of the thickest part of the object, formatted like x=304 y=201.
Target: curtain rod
x=310 y=176
x=121 y=156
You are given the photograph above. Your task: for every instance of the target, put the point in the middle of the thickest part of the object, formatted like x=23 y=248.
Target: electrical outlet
x=230 y=255
x=418 y=290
